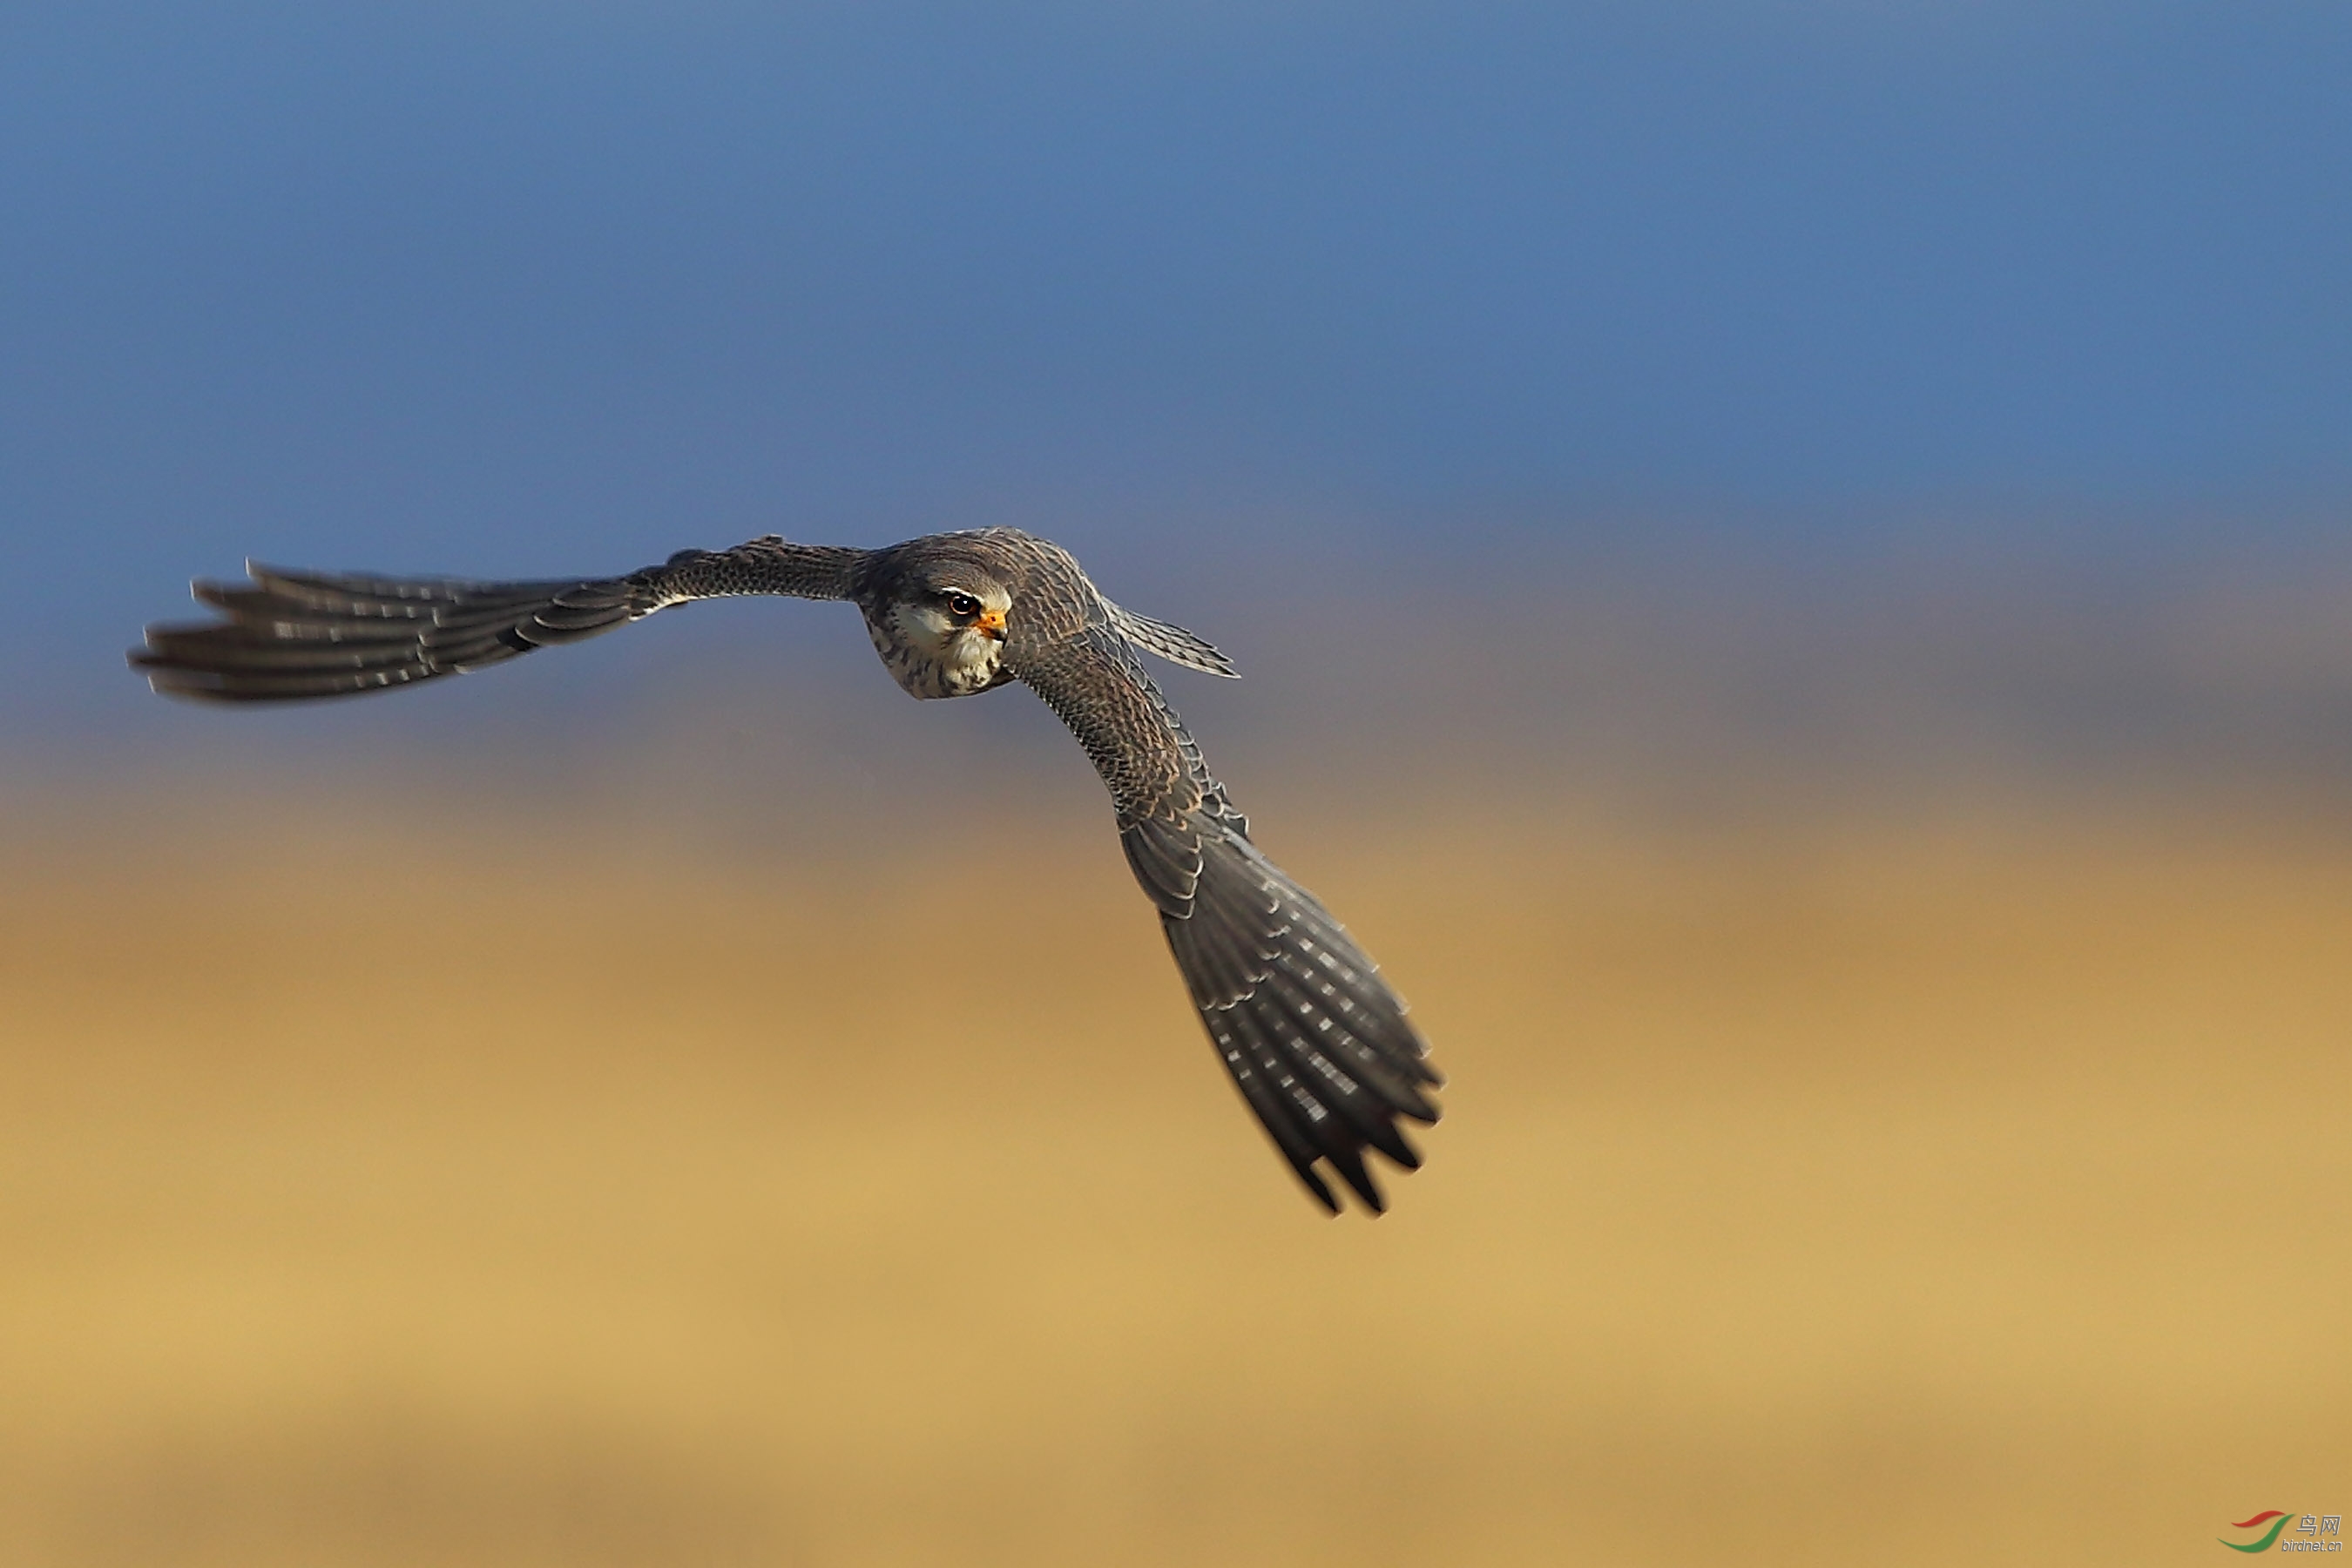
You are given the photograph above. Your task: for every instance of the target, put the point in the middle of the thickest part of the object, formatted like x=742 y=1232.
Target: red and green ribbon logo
x=2278 y=1522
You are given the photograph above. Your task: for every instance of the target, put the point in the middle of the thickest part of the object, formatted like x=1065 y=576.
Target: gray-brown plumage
x=1318 y=1045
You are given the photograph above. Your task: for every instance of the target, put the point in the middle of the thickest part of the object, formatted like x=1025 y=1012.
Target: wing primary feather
x=1330 y=1134
x=1315 y=1039
x=288 y=635
x=1378 y=1070
x=1252 y=1076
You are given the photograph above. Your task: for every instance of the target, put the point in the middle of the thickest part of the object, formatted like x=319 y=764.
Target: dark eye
x=963 y=604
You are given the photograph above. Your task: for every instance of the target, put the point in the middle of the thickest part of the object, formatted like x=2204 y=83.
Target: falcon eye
x=963 y=604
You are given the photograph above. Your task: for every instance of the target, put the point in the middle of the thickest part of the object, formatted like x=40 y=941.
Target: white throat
x=931 y=656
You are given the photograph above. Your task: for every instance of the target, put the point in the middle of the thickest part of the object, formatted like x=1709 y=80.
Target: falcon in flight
x=1318 y=1045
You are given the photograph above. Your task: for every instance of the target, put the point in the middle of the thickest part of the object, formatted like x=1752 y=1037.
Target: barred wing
x=1318 y=1045
x=294 y=635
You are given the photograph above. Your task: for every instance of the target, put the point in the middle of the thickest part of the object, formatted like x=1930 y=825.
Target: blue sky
x=532 y=288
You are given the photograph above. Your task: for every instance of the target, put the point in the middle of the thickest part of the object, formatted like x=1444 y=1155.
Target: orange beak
x=990 y=624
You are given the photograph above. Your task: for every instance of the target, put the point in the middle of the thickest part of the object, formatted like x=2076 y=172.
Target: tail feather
x=1171 y=642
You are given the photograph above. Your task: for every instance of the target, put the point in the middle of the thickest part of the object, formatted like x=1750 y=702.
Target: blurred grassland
x=420 y=1187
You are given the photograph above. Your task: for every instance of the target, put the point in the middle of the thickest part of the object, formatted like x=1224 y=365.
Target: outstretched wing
x=295 y=635
x=1317 y=1042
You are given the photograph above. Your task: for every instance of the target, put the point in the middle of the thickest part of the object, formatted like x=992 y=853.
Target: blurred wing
x=295 y=635
x=1317 y=1042
x=1171 y=643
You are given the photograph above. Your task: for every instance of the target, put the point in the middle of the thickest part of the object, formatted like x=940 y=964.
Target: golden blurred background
x=395 y=1178
x=1791 y=570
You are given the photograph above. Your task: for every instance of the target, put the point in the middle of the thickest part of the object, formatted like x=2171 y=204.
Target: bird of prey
x=1318 y=1045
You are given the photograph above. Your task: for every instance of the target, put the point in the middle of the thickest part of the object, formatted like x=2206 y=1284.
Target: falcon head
x=941 y=630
